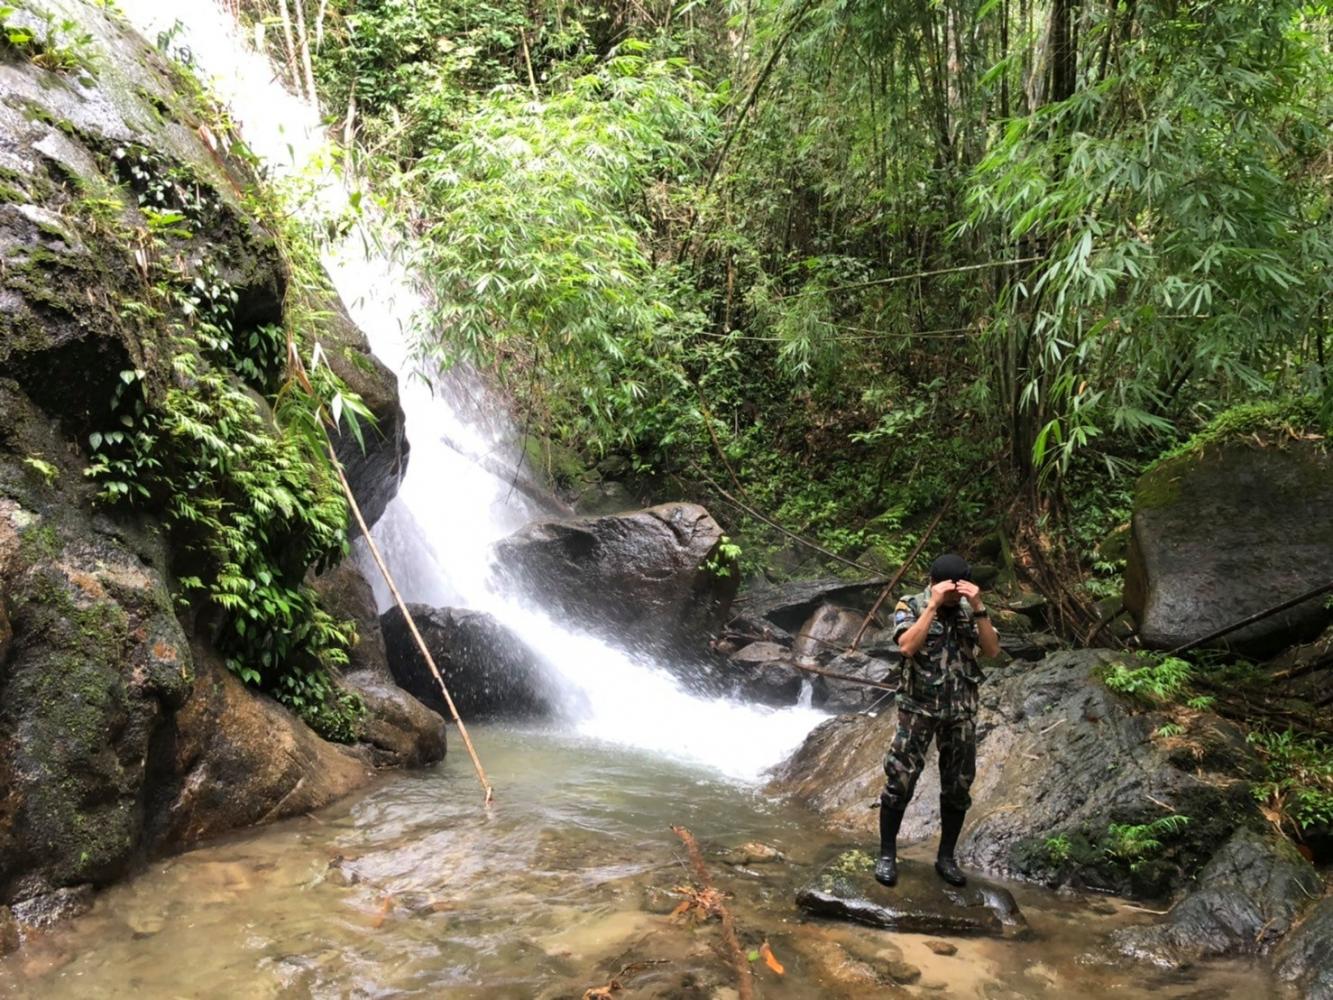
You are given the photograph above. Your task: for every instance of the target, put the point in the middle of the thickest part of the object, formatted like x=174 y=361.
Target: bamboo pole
x=298 y=367
x=311 y=93
x=290 y=45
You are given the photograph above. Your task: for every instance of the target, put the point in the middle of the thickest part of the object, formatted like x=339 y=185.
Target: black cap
x=950 y=566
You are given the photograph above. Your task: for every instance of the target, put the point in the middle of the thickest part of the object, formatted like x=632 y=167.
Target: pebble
x=942 y=947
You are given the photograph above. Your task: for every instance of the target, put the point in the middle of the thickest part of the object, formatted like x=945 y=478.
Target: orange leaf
x=771 y=960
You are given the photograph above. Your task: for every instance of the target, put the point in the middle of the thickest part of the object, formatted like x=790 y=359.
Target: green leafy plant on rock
x=1296 y=793
x=1137 y=844
x=1153 y=681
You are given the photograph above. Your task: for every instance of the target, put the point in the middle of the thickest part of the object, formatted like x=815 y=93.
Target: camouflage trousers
x=957 y=742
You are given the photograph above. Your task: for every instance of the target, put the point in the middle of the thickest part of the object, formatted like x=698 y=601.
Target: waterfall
x=450 y=509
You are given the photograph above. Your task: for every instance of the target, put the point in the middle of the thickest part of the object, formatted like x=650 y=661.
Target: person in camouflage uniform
x=939 y=633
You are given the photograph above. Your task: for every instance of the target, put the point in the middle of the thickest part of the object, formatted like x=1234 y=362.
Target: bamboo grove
x=843 y=256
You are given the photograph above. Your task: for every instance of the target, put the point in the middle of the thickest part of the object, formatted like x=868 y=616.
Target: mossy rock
x=1228 y=530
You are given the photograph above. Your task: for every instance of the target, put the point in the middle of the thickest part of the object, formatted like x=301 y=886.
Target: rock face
x=96 y=661
x=375 y=470
x=1305 y=958
x=490 y=673
x=1226 y=533
x=790 y=605
x=1247 y=898
x=640 y=579
x=1062 y=766
x=845 y=889
x=121 y=734
x=231 y=758
x=118 y=736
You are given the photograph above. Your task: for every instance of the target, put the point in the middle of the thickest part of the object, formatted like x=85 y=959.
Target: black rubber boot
x=886 y=868
x=951 y=825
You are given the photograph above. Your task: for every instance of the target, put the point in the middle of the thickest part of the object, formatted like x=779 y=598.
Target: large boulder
x=642 y=579
x=789 y=605
x=1304 y=960
x=1067 y=775
x=489 y=671
x=232 y=758
x=1247 y=897
x=96 y=660
x=1227 y=531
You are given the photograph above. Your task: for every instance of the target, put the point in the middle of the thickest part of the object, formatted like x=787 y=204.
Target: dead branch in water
x=744 y=985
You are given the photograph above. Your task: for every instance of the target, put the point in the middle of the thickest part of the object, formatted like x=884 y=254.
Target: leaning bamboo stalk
x=290 y=44
x=298 y=368
x=411 y=625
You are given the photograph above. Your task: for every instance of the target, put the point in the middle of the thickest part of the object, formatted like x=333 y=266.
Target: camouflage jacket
x=941 y=680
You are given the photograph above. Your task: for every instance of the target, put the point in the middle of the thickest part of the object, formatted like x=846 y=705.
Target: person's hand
x=940 y=590
x=972 y=592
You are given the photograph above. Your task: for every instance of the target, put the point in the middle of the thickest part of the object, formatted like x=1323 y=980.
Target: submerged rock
x=1247 y=898
x=1227 y=532
x=232 y=758
x=845 y=889
x=640 y=579
x=1062 y=763
x=488 y=670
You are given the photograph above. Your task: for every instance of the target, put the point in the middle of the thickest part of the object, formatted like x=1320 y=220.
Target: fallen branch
x=744 y=986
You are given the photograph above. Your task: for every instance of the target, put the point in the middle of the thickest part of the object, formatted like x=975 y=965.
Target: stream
x=414 y=888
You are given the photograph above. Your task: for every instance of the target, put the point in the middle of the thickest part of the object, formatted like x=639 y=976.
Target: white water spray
x=438 y=531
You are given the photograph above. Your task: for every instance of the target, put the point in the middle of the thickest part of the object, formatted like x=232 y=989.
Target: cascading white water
x=438 y=532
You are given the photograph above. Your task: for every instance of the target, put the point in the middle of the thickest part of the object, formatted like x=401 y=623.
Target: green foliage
x=1272 y=419
x=1155 y=680
x=251 y=501
x=57 y=44
x=1138 y=844
x=1297 y=789
x=43 y=468
x=1057 y=849
x=1169 y=730
x=725 y=558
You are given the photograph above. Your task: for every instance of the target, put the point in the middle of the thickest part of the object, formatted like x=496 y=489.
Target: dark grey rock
x=1059 y=759
x=1304 y=960
x=398 y=728
x=1247 y=898
x=1228 y=532
x=489 y=671
x=376 y=464
x=640 y=579
x=921 y=903
x=790 y=605
x=763 y=672
x=835 y=695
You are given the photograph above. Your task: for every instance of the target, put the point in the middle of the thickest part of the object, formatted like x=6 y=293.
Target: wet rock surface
x=790 y=605
x=1248 y=896
x=641 y=579
x=1060 y=760
x=490 y=673
x=1304 y=961
x=921 y=903
x=1226 y=533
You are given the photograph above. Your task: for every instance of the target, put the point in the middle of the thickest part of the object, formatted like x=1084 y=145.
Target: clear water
x=411 y=889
